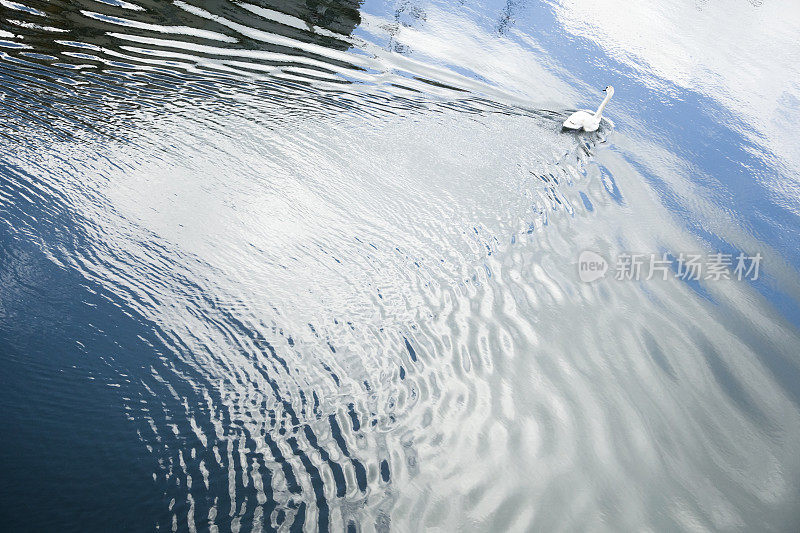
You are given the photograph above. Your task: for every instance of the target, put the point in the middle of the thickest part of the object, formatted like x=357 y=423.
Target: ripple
x=325 y=275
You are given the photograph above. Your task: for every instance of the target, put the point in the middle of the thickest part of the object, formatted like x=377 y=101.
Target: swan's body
x=587 y=120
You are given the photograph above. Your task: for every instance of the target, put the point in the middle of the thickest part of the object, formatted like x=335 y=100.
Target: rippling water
x=312 y=265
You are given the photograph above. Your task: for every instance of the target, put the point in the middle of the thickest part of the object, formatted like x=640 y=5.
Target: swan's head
x=609 y=90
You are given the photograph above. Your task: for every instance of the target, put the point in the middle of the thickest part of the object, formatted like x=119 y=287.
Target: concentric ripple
x=312 y=266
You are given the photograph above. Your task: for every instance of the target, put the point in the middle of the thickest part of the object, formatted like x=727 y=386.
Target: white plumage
x=587 y=120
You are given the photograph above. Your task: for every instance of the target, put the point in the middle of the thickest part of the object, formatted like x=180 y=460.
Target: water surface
x=312 y=265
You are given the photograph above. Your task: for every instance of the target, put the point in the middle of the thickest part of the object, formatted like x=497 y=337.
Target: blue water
x=314 y=266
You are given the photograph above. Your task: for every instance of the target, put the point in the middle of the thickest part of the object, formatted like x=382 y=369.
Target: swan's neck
x=599 y=111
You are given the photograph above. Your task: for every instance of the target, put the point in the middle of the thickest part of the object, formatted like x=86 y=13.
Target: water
x=314 y=266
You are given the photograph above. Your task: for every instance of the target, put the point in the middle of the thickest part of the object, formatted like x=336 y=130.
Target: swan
x=586 y=119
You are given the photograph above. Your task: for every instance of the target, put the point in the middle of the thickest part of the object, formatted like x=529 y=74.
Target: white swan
x=586 y=119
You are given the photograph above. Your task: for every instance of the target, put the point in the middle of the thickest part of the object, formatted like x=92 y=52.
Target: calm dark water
x=314 y=265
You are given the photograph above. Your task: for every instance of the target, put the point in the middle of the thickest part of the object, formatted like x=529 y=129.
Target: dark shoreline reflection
x=87 y=21
x=91 y=65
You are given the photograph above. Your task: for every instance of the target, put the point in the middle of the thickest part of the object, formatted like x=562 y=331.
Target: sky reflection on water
x=312 y=265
